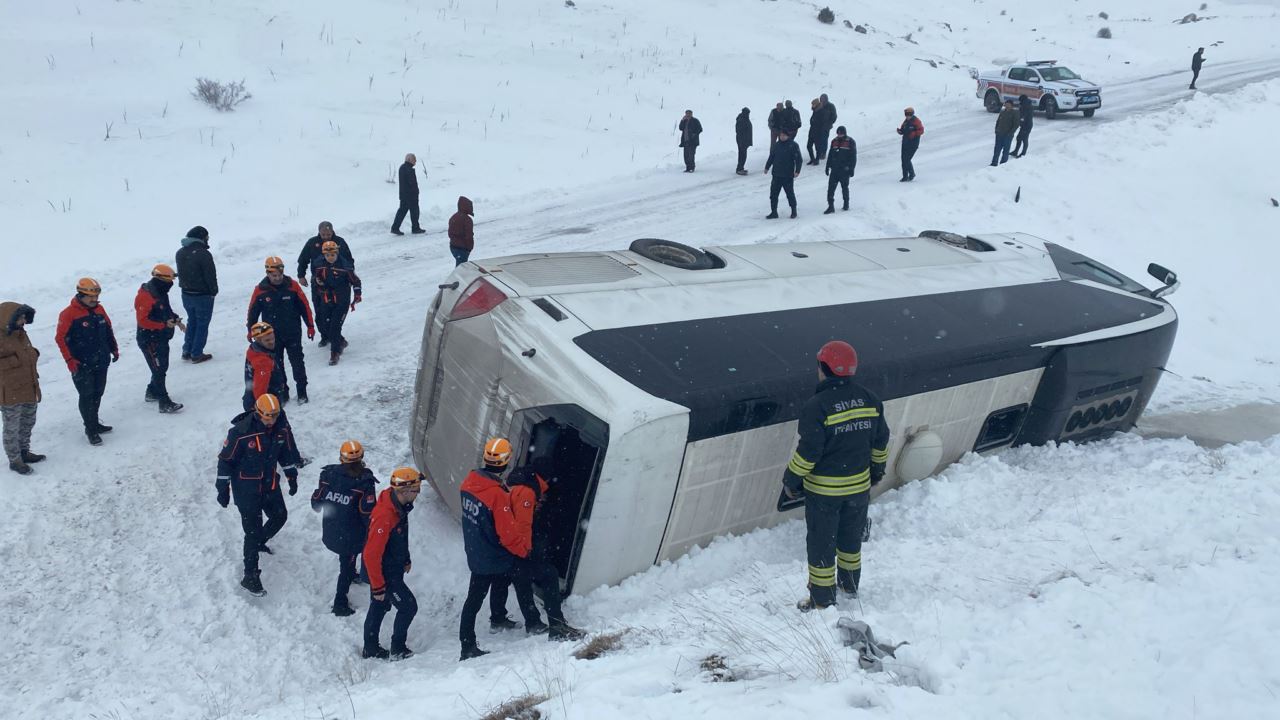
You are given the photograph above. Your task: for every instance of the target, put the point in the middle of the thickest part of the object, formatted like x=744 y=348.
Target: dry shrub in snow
x=1104 y=16
x=826 y=16
x=717 y=669
x=521 y=708
x=223 y=97
x=1105 y=33
x=599 y=645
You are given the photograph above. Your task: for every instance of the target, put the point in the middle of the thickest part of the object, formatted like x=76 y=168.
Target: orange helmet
x=497 y=452
x=164 y=272
x=351 y=452
x=268 y=406
x=261 y=329
x=406 y=478
x=88 y=286
x=329 y=247
x=273 y=263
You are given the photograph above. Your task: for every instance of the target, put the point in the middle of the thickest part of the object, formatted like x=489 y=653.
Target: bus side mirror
x=1166 y=276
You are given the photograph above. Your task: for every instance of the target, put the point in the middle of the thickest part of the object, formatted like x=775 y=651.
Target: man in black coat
x=315 y=248
x=790 y=120
x=198 y=279
x=824 y=119
x=1197 y=61
x=345 y=498
x=776 y=116
x=690 y=129
x=1026 y=117
x=408 y=196
x=1006 y=126
x=786 y=161
x=841 y=162
x=742 y=129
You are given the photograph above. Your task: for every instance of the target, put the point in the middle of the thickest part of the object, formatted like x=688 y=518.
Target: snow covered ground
x=1132 y=578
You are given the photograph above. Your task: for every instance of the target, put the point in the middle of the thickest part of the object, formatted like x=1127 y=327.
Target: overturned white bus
x=660 y=385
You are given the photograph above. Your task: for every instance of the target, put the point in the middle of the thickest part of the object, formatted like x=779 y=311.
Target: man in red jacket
x=461 y=231
x=88 y=344
x=386 y=557
x=156 y=321
x=263 y=369
x=911 y=129
x=278 y=299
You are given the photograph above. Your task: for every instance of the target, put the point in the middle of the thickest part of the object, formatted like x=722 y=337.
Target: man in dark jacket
x=1026 y=117
x=333 y=281
x=742 y=131
x=345 y=498
x=259 y=441
x=408 y=197
x=911 y=129
x=156 y=321
x=775 y=123
x=790 y=120
x=841 y=162
x=786 y=161
x=490 y=535
x=824 y=119
x=462 y=231
x=527 y=491
x=88 y=344
x=1006 y=126
x=690 y=129
x=1197 y=61
x=843 y=448
x=19 y=385
x=263 y=368
x=315 y=248
x=386 y=557
x=198 y=279
x=279 y=301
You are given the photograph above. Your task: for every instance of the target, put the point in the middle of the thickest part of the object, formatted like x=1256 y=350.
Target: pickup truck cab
x=1052 y=87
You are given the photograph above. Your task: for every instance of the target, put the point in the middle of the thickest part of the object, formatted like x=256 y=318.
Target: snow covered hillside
x=1131 y=578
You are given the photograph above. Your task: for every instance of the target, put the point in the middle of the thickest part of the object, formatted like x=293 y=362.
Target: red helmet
x=839 y=357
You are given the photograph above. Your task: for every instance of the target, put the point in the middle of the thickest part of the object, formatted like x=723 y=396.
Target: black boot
x=536 y=628
x=830 y=209
x=846 y=205
x=502 y=624
x=772 y=215
x=30 y=457
x=324 y=342
x=19 y=467
x=150 y=396
x=793 y=213
x=302 y=395
x=253 y=583
x=103 y=428
x=168 y=407
x=400 y=652
x=333 y=358
x=263 y=548
x=342 y=608
x=561 y=631
x=377 y=652
x=471 y=651
x=94 y=438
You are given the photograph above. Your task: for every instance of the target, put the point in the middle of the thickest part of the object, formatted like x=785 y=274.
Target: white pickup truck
x=1050 y=86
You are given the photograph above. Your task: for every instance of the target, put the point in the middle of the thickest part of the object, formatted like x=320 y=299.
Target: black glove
x=224 y=496
x=876 y=478
x=293 y=485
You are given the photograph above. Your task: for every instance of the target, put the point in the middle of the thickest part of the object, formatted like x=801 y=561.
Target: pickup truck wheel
x=1088 y=113
x=992 y=101
x=1051 y=108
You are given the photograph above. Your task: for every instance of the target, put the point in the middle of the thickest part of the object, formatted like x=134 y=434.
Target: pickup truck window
x=1032 y=77
x=1018 y=74
x=1053 y=74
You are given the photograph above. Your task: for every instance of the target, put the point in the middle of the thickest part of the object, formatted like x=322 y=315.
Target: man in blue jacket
x=345 y=499
x=785 y=160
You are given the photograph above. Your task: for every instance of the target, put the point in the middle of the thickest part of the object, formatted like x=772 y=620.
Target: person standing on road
x=911 y=129
x=259 y=440
x=1006 y=126
x=333 y=280
x=408 y=197
x=824 y=118
x=386 y=557
x=19 y=385
x=1197 y=61
x=690 y=130
x=345 y=497
x=815 y=127
x=791 y=120
x=156 y=321
x=88 y=344
x=841 y=162
x=777 y=116
x=1026 y=117
x=462 y=239
x=278 y=300
x=841 y=455
x=198 y=279
x=742 y=132
x=785 y=160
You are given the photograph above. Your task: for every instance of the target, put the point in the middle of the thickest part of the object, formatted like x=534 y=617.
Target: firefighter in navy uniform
x=156 y=321
x=88 y=344
x=345 y=499
x=263 y=368
x=278 y=300
x=259 y=440
x=386 y=557
x=333 y=281
x=842 y=452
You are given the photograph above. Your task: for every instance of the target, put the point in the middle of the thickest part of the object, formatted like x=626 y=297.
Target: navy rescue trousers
x=833 y=539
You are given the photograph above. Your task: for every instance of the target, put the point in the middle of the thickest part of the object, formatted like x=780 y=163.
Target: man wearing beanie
x=198 y=278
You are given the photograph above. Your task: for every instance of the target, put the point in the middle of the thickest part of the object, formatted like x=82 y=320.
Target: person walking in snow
x=785 y=161
x=198 y=279
x=1026 y=118
x=387 y=558
x=314 y=248
x=690 y=130
x=911 y=129
x=88 y=345
x=156 y=321
x=259 y=441
x=742 y=133
x=408 y=197
x=777 y=116
x=1197 y=62
x=333 y=280
x=790 y=120
x=19 y=385
x=278 y=300
x=462 y=238
x=1006 y=126
x=841 y=162
x=345 y=498
x=841 y=455
x=263 y=368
